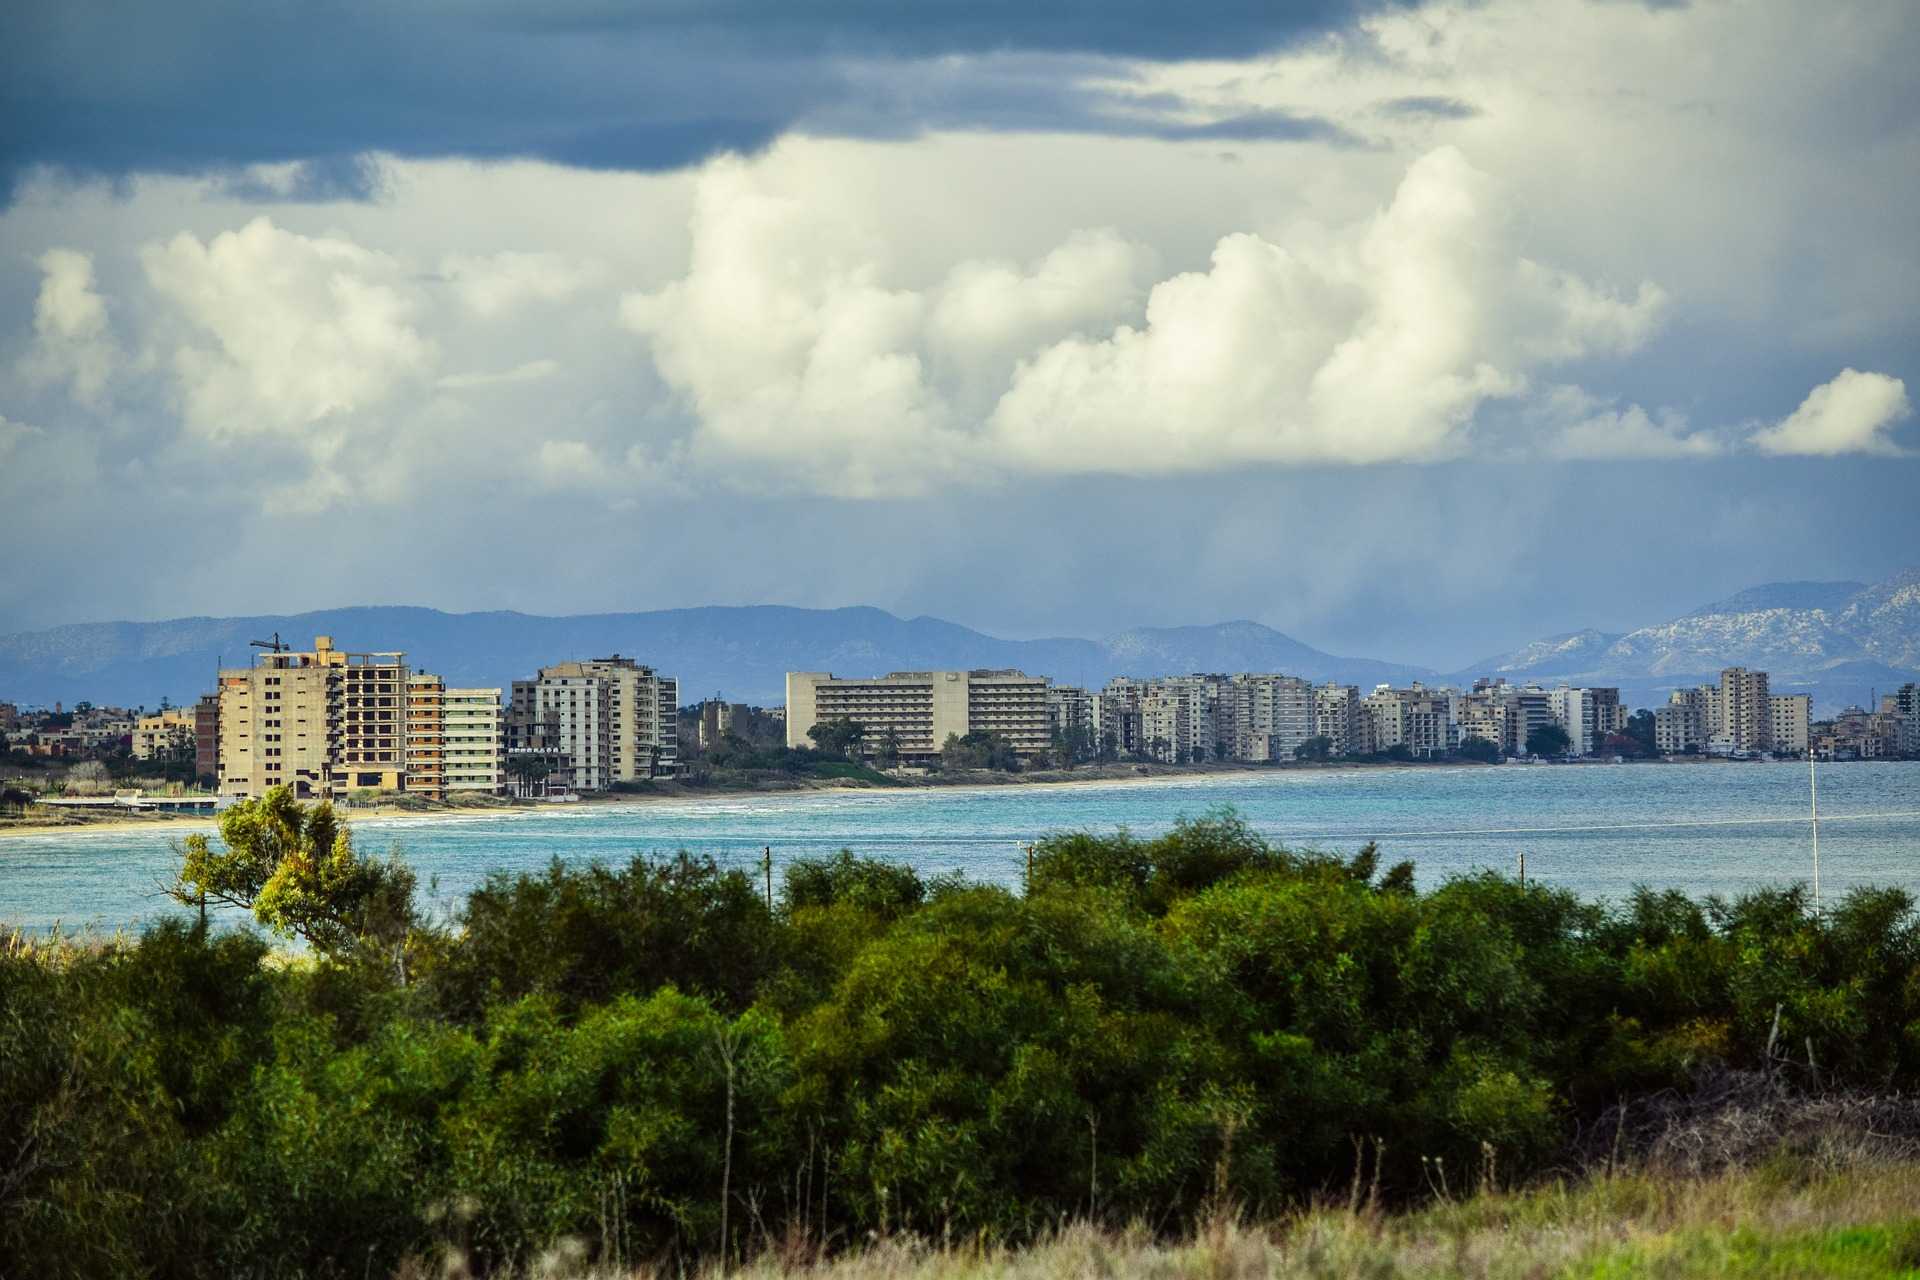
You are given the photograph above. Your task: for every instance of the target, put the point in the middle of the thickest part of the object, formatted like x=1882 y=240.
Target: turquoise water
x=1754 y=814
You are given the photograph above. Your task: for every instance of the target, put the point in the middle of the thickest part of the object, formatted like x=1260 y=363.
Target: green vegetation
x=651 y=1062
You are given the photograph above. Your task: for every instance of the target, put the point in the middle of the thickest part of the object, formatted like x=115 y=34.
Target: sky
x=1414 y=330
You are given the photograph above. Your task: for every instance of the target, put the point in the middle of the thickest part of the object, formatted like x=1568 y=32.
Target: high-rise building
x=1739 y=711
x=426 y=727
x=320 y=723
x=599 y=722
x=1273 y=716
x=1070 y=719
x=1416 y=718
x=1789 y=717
x=1682 y=725
x=917 y=711
x=472 y=740
x=206 y=736
x=1336 y=717
x=1574 y=711
x=1609 y=716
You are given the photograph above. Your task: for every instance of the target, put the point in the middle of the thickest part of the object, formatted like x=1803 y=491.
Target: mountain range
x=1836 y=640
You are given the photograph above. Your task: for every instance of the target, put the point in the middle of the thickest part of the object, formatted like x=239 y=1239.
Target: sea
x=1597 y=829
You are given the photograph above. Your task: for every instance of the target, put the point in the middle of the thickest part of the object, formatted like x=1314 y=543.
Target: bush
x=647 y=1060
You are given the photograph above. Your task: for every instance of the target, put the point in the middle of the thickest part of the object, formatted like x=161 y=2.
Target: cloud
x=1630 y=433
x=532 y=371
x=1850 y=414
x=1381 y=351
x=500 y=282
x=71 y=338
x=789 y=347
x=304 y=328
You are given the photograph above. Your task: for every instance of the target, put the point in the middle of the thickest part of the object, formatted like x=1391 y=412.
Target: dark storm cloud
x=112 y=86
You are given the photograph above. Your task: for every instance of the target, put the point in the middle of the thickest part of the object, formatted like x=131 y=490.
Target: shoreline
x=1090 y=775
x=1121 y=775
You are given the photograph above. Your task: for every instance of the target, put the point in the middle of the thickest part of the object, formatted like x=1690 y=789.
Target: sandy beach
x=1099 y=775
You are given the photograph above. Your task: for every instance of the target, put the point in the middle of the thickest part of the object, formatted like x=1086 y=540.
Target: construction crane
x=271 y=646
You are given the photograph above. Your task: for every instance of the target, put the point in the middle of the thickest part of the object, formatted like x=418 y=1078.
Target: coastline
x=1108 y=775
x=676 y=793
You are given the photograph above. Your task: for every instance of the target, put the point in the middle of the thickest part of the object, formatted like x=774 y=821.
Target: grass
x=1783 y=1219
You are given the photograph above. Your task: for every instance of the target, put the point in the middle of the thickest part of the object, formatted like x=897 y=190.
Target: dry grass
x=1786 y=1217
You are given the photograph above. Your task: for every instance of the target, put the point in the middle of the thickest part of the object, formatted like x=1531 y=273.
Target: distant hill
x=1839 y=641
x=743 y=653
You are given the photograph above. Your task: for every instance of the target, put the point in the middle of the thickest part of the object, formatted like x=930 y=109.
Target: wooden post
x=1523 y=869
x=769 y=866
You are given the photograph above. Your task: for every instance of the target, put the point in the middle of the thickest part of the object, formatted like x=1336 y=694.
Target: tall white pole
x=1813 y=795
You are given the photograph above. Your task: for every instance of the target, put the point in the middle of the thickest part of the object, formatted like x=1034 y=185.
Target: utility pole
x=1813 y=797
x=1522 y=857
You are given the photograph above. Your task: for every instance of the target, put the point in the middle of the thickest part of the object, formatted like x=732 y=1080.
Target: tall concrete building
x=323 y=723
x=206 y=737
x=1415 y=718
x=426 y=727
x=1789 y=720
x=1336 y=717
x=599 y=722
x=1738 y=714
x=1273 y=715
x=1682 y=725
x=1574 y=711
x=1070 y=718
x=921 y=709
x=473 y=740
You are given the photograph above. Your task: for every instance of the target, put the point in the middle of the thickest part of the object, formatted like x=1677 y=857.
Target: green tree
x=295 y=868
x=1317 y=749
x=980 y=749
x=528 y=770
x=1640 y=728
x=1548 y=740
x=840 y=737
x=1479 y=749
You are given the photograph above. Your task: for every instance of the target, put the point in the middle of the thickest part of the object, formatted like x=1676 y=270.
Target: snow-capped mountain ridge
x=1790 y=628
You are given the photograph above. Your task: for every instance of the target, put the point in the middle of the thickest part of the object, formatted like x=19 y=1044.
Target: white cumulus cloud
x=71 y=336
x=303 y=327
x=1851 y=414
x=1376 y=342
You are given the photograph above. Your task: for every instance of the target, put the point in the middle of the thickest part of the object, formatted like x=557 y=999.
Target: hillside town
x=335 y=724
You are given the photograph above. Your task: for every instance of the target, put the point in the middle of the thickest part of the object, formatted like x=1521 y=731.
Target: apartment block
x=1336 y=717
x=1574 y=711
x=1609 y=716
x=921 y=709
x=1414 y=718
x=168 y=735
x=1682 y=724
x=1070 y=720
x=1272 y=715
x=426 y=728
x=206 y=736
x=281 y=724
x=472 y=741
x=598 y=722
x=1116 y=718
x=1739 y=711
x=1789 y=720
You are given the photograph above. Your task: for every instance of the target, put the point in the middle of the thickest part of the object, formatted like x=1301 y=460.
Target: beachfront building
x=922 y=709
x=426 y=726
x=472 y=741
x=284 y=722
x=1738 y=711
x=599 y=722
x=1789 y=722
